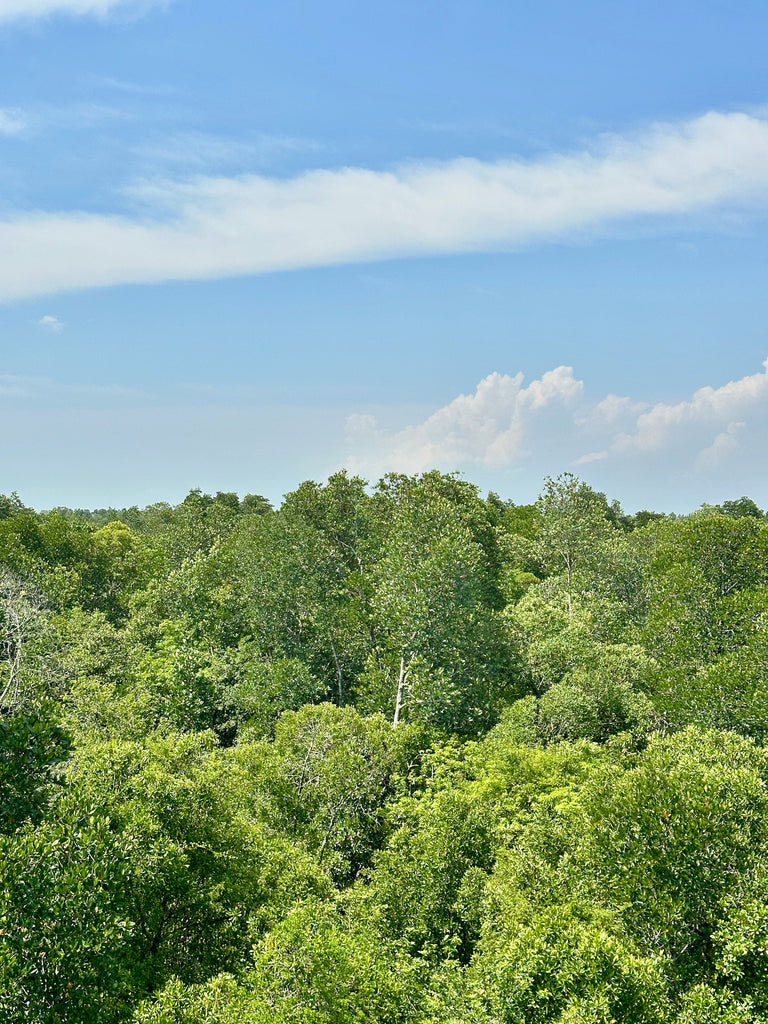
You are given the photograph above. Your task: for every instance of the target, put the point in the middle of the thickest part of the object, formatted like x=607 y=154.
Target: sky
x=243 y=245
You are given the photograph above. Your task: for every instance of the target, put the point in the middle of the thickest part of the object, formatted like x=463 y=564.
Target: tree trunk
x=401 y=684
x=339 y=676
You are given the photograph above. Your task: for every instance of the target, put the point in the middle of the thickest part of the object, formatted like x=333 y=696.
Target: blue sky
x=246 y=244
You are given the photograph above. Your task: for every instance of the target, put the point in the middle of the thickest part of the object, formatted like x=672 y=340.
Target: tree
x=440 y=656
x=22 y=622
x=603 y=697
x=280 y=584
x=742 y=507
x=697 y=567
x=203 y=872
x=32 y=747
x=64 y=931
x=326 y=779
x=573 y=525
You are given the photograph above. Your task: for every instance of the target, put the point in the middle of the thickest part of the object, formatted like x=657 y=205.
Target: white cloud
x=12 y=121
x=51 y=323
x=18 y=10
x=553 y=423
x=725 y=445
x=616 y=408
x=584 y=460
x=218 y=226
x=490 y=427
x=507 y=434
x=656 y=428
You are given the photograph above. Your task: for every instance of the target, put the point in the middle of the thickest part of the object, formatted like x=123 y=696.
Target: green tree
x=573 y=526
x=32 y=747
x=440 y=654
x=64 y=932
x=326 y=779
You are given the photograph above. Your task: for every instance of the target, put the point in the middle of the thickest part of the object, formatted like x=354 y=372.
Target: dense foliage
x=392 y=754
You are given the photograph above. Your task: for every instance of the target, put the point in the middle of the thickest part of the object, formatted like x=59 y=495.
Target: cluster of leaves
x=392 y=754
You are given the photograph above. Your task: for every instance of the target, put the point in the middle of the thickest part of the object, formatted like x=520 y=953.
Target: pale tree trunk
x=12 y=650
x=568 y=564
x=339 y=676
x=401 y=687
x=19 y=619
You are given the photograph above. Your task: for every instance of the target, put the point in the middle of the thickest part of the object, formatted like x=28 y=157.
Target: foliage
x=399 y=754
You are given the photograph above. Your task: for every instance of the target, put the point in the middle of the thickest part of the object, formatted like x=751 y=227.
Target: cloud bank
x=212 y=227
x=718 y=434
x=508 y=434
x=18 y=10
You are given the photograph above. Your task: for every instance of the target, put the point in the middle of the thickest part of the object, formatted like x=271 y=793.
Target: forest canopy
x=400 y=753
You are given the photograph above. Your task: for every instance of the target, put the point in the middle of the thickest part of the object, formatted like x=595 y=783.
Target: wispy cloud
x=12 y=121
x=13 y=386
x=48 y=390
x=200 y=152
x=39 y=118
x=505 y=423
x=18 y=10
x=121 y=85
x=211 y=227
